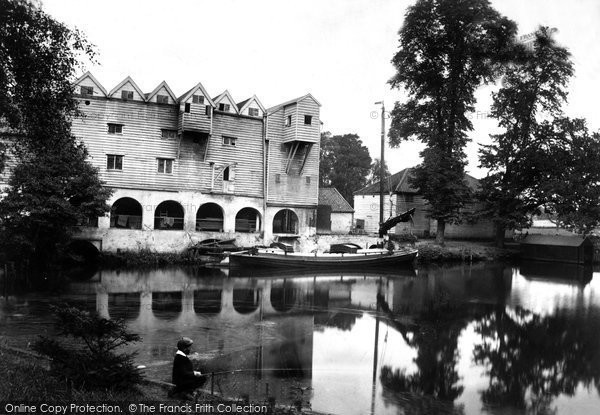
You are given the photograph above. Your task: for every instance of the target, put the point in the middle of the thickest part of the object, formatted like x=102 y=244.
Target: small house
x=334 y=213
x=558 y=248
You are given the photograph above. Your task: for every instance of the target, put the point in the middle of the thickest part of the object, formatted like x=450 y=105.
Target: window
x=226 y=174
x=114 y=162
x=278 y=178
x=253 y=112
x=224 y=107
x=187 y=107
x=307 y=179
x=162 y=99
x=115 y=128
x=86 y=90
x=126 y=94
x=165 y=166
x=207 y=110
x=229 y=141
x=197 y=99
x=288 y=121
x=168 y=134
x=308 y=119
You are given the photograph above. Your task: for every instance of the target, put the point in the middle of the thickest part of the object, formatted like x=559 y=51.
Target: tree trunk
x=499 y=239
x=441 y=228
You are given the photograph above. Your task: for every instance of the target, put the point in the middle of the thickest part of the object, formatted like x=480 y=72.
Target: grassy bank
x=461 y=251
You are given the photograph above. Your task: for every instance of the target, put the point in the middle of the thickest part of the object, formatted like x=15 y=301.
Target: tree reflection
x=435 y=337
x=533 y=358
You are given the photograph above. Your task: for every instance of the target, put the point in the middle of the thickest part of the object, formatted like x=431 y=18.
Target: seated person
x=185 y=378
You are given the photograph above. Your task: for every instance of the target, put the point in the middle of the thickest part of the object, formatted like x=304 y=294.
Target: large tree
x=375 y=171
x=533 y=89
x=52 y=187
x=344 y=163
x=448 y=48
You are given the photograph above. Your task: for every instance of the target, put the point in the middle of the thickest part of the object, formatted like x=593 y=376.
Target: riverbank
x=429 y=252
x=24 y=379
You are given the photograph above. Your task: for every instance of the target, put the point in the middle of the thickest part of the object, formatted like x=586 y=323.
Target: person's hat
x=184 y=342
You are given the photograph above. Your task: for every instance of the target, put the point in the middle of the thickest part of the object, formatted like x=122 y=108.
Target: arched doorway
x=168 y=216
x=247 y=220
x=126 y=213
x=209 y=218
x=285 y=221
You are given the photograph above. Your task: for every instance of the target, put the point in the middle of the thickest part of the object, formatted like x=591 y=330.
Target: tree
x=89 y=359
x=518 y=158
x=375 y=173
x=52 y=187
x=447 y=50
x=344 y=163
x=572 y=186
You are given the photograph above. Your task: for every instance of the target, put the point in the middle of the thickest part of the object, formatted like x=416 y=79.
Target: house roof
x=190 y=92
x=88 y=74
x=246 y=103
x=329 y=196
x=553 y=240
x=158 y=88
x=292 y=101
x=133 y=84
x=399 y=183
x=222 y=96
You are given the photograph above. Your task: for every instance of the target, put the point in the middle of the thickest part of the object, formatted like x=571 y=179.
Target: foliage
x=518 y=159
x=89 y=360
x=447 y=50
x=572 y=188
x=52 y=186
x=375 y=173
x=344 y=163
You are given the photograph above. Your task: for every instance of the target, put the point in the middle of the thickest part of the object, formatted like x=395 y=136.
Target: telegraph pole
x=381 y=166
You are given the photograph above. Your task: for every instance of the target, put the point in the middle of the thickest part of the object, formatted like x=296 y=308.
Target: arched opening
x=207 y=301
x=168 y=216
x=283 y=296
x=126 y=213
x=209 y=218
x=247 y=220
x=245 y=300
x=166 y=305
x=285 y=221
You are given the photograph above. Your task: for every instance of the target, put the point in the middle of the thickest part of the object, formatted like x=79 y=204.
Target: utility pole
x=381 y=167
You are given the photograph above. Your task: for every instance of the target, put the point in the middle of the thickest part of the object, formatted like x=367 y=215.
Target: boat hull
x=280 y=260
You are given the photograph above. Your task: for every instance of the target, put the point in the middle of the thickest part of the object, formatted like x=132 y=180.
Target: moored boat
x=278 y=258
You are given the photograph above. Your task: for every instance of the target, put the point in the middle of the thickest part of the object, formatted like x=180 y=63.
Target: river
x=469 y=339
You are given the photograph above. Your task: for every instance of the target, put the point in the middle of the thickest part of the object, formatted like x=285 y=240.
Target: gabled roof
x=89 y=75
x=226 y=94
x=246 y=103
x=158 y=88
x=399 y=183
x=329 y=196
x=292 y=101
x=133 y=84
x=191 y=92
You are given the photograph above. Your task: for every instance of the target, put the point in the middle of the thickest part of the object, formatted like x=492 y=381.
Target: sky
x=338 y=50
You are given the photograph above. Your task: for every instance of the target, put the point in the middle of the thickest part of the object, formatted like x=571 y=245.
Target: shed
x=334 y=213
x=571 y=249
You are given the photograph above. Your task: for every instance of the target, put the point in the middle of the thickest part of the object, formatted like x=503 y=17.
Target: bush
x=88 y=359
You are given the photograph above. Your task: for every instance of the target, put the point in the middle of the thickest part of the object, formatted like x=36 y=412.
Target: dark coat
x=183 y=374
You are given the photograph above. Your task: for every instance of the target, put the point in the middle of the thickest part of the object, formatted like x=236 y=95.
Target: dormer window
x=126 y=94
x=162 y=99
x=253 y=112
x=288 y=121
x=224 y=107
x=308 y=119
x=197 y=99
x=86 y=90
x=187 y=107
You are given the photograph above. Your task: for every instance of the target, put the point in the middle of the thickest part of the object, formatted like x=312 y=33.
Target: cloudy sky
x=338 y=50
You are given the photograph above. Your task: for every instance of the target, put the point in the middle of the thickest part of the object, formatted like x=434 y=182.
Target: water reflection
x=465 y=339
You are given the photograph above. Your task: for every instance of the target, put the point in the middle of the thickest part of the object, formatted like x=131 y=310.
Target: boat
x=346 y=255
